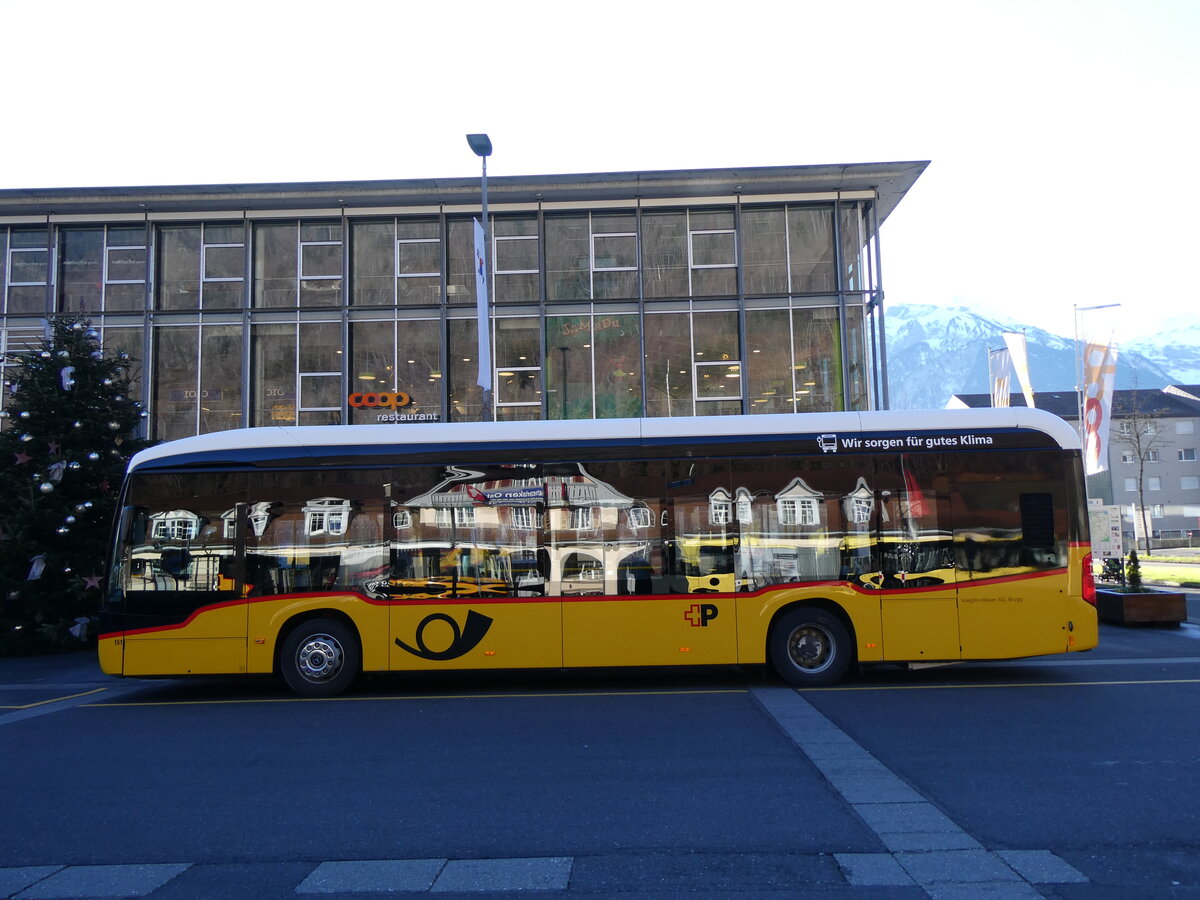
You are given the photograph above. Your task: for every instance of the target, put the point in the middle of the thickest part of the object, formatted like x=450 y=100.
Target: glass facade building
x=704 y=292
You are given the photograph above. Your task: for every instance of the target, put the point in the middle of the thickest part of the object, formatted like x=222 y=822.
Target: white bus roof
x=324 y=438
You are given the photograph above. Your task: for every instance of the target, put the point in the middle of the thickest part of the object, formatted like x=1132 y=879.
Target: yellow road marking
x=56 y=699
x=933 y=687
x=417 y=697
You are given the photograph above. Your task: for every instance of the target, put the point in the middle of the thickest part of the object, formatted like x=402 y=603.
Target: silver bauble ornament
x=93 y=456
x=46 y=487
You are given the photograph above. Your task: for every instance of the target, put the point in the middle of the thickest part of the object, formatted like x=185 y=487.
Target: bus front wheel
x=320 y=658
x=810 y=647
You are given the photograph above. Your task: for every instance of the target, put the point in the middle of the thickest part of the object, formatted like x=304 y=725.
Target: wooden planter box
x=1147 y=607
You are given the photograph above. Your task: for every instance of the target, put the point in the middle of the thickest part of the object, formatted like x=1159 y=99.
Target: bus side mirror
x=133 y=525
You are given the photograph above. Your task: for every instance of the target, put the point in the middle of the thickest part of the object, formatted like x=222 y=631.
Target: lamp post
x=481 y=144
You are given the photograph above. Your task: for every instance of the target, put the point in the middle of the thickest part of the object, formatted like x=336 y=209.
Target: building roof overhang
x=888 y=182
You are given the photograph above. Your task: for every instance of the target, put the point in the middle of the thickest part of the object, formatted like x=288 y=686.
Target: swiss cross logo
x=700 y=614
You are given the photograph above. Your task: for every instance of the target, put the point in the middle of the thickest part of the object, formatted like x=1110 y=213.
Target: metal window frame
x=301 y=277
x=696 y=364
x=441 y=257
x=496 y=239
x=691 y=254
x=614 y=234
x=44 y=267
x=496 y=381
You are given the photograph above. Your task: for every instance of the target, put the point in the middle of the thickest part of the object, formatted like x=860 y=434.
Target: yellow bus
x=808 y=543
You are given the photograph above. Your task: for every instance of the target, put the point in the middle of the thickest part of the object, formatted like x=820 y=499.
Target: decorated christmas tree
x=69 y=428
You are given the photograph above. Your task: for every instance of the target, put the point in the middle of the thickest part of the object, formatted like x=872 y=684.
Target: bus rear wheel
x=320 y=658
x=810 y=647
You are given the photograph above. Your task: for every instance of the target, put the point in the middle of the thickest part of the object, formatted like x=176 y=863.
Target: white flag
x=1015 y=341
x=999 y=373
x=1099 y=377
x=484 y=351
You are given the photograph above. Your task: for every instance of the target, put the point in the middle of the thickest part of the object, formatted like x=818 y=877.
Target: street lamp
x=481 y=144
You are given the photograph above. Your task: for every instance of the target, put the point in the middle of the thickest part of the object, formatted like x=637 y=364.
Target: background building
x=1169 y=422
x=709 y=292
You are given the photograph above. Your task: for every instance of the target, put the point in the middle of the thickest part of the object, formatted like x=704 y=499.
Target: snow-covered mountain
x=1175 y=348
x=936 y=351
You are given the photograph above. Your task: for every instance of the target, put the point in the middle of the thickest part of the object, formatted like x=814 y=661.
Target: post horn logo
x=464 y=641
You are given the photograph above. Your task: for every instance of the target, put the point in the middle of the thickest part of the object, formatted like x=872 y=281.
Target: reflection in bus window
x=302 y=538
x=1010 y=513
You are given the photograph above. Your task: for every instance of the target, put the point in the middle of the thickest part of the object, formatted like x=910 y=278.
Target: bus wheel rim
x=811 y=648
x=319 y=658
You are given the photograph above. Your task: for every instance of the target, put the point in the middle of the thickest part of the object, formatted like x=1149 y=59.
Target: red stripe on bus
x=588 y=598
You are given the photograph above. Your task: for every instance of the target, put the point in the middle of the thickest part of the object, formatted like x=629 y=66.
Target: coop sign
x=395 y=401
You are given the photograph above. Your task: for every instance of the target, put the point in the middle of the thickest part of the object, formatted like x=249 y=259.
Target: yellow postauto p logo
x=381 y=400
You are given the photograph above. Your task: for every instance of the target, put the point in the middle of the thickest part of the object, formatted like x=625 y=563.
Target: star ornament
x=54 y=447
x=91 y=581
x=21 y=458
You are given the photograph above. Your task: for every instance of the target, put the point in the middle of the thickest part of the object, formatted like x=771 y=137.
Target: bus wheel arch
x=811 y=643
x=319 y=653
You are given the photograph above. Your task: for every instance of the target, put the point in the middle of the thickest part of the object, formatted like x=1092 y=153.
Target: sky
x=1060 y=134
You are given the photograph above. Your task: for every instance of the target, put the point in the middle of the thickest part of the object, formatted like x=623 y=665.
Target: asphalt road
x=1060 y=777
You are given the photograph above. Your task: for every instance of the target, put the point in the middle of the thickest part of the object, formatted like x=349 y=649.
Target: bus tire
x=810 y=647
x=320 y=658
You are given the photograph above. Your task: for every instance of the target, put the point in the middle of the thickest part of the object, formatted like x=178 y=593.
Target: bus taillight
x=1089 y=580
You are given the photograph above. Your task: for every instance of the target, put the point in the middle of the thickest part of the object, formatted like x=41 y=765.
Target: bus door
x=181 y=560
x=1011 y=544
x=913 y=557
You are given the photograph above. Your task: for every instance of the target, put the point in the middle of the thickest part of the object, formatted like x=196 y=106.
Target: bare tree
x=1139 y=429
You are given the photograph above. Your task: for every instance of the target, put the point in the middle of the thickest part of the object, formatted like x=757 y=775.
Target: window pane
x=80 y=267
x=320 y=347
x=28 y=267
x=320 y=392
x=126 y=263
x=853 y=239
x=665 y=254
x=615 y=252
x=418 y=366
x=224 y=234
x=510 y=225
x=764 y=251
x=223 y=262
x=419 y=258
x=713 y=249
x=220 y=377
x=274 y=374
x=569 y=367
x=567 y=276
x=275 y=251
x=810 y=243
x=466 y=397
x=516 y=255
x=321 y=231
x=373 y=263
x=28 y=237
x=124 y=297
x=26 y=299
x=817 y=343
x=668 y=365
x=460 y=265
x=372 y=366
x=176 y=392
x=134 y=236
x=321 y=261
x=769 y=361
x=617 y=346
